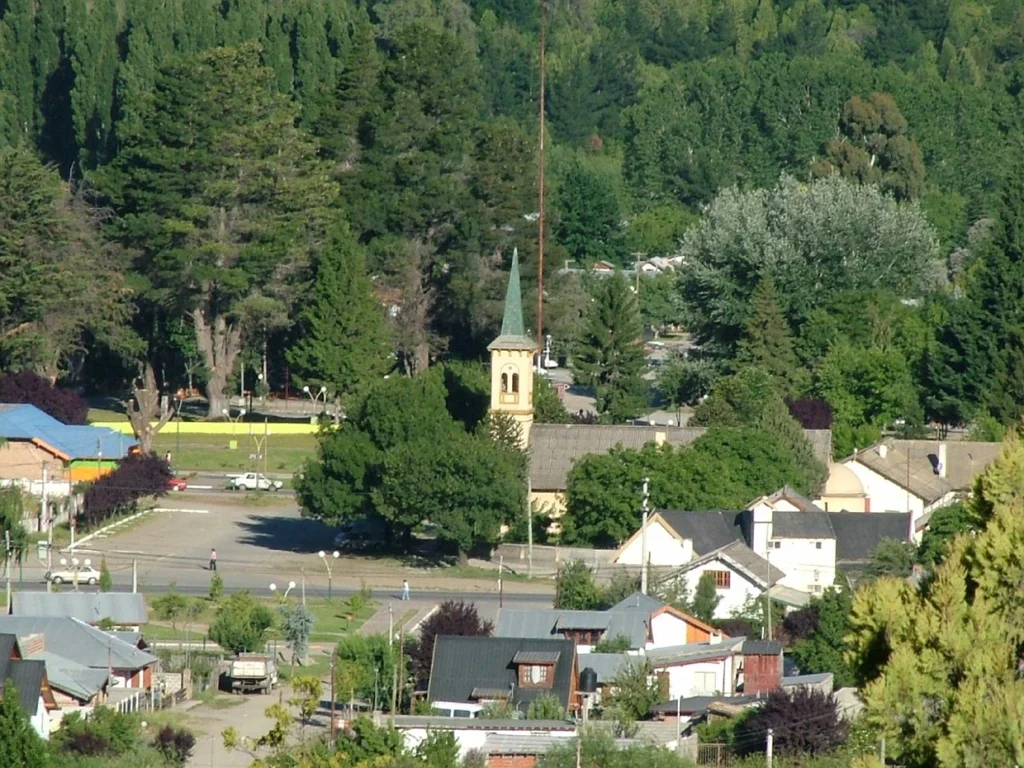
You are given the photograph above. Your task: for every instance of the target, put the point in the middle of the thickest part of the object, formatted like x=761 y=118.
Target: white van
x=456 y=709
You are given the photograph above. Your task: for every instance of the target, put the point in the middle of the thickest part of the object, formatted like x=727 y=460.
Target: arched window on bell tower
x=509 y=385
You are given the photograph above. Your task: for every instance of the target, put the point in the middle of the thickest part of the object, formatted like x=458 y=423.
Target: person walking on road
x=213 y=559
x=405 y=589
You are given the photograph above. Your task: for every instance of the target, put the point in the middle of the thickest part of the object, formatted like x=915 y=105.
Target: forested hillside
x=176 y=175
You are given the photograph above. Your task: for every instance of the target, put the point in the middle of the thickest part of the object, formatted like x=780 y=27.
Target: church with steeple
x=512 y=360
x=554 y=448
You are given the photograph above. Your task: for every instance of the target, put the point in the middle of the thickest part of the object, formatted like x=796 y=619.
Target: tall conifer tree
x=342 y=341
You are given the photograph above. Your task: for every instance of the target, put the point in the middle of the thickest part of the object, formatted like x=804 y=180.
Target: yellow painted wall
x=218 y=428
x=551 y=502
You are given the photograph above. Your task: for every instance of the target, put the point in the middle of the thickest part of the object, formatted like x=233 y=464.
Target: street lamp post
x=75 y=565
x=322 y=392
x=234 y=422
x=327 y=564
x=291 y=673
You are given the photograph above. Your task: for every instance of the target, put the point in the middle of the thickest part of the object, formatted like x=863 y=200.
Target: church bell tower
x=512 y=360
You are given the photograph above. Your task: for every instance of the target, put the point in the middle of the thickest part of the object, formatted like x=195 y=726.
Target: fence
x=547 y=560
x=713 y=754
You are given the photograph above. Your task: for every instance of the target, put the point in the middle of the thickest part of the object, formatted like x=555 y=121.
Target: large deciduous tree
x=466 y=485
x=222 y=195
x=874 y=148
x=610 y=356
x=816 y=240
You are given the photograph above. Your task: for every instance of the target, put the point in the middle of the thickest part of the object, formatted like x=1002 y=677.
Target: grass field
x=331 y=620
x=212 y=453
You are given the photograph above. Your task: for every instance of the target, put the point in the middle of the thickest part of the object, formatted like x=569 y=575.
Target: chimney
x=715 y=638
x=883 y=450
x=942 y=459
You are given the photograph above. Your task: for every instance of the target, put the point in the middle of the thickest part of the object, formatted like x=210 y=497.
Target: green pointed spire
x=513 y=334
x=512 y=322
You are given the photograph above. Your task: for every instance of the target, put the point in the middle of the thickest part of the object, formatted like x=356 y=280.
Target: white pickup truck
x=254 y=481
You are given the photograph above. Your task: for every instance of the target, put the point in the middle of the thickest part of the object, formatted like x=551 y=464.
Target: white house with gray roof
x=919 y=476
x=85 y=646
x=646 y=623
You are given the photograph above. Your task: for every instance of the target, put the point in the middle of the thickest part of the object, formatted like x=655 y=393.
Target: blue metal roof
x=26 y=422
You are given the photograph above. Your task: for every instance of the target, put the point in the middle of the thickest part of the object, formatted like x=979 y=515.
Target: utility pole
x=645 y=498
x=135 y=576
x=529 y=529
x=540 y=186
x=48 y=520
x=770 y=747
x=501 y=592
x=7 y=568
x=391 y=625
x=303 y=587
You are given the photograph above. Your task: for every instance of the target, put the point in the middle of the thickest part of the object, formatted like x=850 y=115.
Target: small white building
x=740 y=576
x=801 y=544
x=700 y=669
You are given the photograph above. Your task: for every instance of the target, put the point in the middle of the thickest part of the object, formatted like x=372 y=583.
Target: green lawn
x=212 y=453
x=332 y=621
x=102 y=415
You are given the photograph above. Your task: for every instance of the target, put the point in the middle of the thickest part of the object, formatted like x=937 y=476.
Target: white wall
x=662 y=549
x=693 y=679
x=733 y=599
x=667 y=630
x=469 y=739
x=41 y=719
x=805 y=565
x=884 y=494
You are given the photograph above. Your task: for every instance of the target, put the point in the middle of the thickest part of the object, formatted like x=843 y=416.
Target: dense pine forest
x=183 y=183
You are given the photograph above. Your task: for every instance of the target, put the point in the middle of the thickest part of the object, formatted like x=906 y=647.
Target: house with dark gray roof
x=125 y=609
x=513 y=670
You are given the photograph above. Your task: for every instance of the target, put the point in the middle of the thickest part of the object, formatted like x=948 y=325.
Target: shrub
x=241 y=624
x=175 y=744
x=805 y=722
x=452 y=618
x=137 y=475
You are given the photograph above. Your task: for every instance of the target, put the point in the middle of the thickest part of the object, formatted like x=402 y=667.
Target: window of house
x=704 y=683
x=515 y=382
x=504 y=382
x=775 y=544
x=723 y=579
x=536 y=675
x=817 y=545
